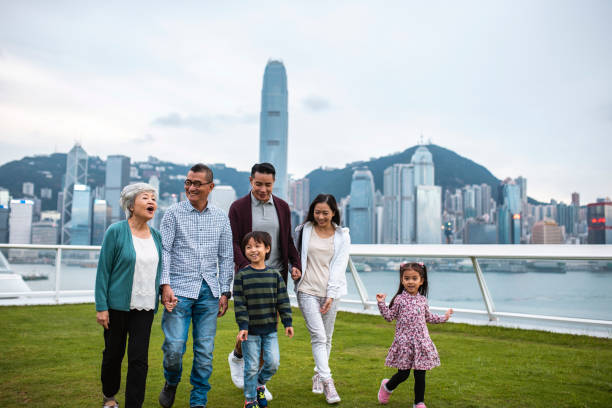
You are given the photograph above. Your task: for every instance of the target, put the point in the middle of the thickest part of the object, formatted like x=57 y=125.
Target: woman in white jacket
x=324 y=248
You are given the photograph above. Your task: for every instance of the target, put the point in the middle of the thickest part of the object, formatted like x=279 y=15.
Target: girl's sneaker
x=420 y=405
x=317 y=384
x=329 y=389
x=383 y=394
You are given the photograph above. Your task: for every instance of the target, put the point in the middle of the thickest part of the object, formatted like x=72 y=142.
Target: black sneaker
x=261 y=396
x=166 y=396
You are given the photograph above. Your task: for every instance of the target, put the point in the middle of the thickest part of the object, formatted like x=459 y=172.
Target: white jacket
x=336 y=285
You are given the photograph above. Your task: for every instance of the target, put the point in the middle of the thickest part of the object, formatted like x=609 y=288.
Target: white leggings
x=321 y=328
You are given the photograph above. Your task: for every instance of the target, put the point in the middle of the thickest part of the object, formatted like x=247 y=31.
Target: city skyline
x=184 y=84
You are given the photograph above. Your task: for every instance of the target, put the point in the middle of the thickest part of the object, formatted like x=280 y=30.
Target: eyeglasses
x=195 y=183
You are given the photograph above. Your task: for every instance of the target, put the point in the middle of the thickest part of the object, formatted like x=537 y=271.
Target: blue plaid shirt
x=196 y=246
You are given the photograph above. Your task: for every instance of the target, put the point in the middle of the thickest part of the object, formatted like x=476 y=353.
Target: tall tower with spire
x=76 y=173
x=273 y=124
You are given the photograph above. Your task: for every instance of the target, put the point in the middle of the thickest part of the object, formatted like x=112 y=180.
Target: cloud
x=148 y=138
x=207 y=123
x=316 y=103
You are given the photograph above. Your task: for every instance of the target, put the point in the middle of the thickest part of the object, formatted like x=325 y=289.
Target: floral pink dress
x=412 y=347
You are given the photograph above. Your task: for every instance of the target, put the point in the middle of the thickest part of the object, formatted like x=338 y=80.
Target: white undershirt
x=145 y=271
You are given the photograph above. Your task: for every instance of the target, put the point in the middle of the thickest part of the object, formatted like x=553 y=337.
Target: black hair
x=263 y=168
x=329 y=200
x=258 y=236
x=417 y=267
x=202 y=168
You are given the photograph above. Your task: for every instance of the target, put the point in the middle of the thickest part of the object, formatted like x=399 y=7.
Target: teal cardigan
x=115 y=273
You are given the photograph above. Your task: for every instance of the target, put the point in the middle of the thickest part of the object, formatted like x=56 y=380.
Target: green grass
x=50 y=357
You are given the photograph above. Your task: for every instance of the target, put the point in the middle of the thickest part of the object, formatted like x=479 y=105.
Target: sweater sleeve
x=282 y=302
x=240 y=260
x=240 y=309
x=105 y=267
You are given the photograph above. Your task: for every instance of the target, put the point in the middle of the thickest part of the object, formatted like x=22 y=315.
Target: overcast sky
x=521 y=87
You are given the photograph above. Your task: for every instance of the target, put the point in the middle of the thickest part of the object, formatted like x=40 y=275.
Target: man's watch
x=227 y=294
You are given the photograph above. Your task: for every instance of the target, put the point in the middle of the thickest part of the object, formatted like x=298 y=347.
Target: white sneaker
x=236 y=369
x=331 y=395
x=317 y=384
x=268 y=393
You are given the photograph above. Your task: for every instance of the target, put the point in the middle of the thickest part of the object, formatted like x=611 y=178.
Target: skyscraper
x=4 y=224
x=102 y=215
x=5 y=197
x=576 y=199
x=399 y=204
x=361 y=207
x=76 y=173
x=273 y=124
x=20 y=221
x=222 y=197
x=509 y=214
x=117 y=177
x=80 y=224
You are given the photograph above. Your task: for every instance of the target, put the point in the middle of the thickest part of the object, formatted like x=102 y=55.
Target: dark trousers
x=135 y=324
x=419 y=383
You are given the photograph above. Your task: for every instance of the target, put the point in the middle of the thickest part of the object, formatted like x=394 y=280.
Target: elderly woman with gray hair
x=127 y=292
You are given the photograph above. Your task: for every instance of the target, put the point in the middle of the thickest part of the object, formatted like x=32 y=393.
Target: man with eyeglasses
x=260 y=210
x=195 y=283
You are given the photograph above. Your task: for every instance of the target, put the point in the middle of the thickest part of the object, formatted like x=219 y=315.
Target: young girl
x=412 y=348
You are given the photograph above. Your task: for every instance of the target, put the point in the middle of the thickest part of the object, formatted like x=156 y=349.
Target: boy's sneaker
x=261 y=396
x=250 y=404
x=383 y=393
x=166 y=396
x=420 y=405
x=317 y=384
x=329 y=389
x=236 y=369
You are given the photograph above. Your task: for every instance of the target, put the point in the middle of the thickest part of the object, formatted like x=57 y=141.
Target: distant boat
x=10 y=282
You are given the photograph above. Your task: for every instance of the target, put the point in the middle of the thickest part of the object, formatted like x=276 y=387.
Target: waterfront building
x=299 y=196
x=45 y=232
x=222 y=197
x=81 y=222
x=20 y=221
x=477 y=231
x=5 y=213
x=5 y=197
x=486 y=196
x=521 y=182
x=399 y=204
x=546 y=232
x=599 y=219
x=429 y=217
x=76 y=173
x=102 y=216
x=27 y=189
x=361 y=209
x=576 y=199
x=117 y=177
x=509 y=214
x=422 y=161
x=273 y=124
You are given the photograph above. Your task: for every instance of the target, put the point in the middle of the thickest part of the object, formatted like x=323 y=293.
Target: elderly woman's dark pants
x=133 y=327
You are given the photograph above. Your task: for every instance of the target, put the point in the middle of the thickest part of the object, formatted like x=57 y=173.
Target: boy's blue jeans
x=203 y=313
x=252 y=348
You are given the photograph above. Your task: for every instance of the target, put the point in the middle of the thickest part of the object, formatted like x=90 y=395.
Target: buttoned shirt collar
x=192 y=208
x=255 y=201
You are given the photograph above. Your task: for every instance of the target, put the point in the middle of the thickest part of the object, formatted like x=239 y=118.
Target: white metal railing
x=471 y=252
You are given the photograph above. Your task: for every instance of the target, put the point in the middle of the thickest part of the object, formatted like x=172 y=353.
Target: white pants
x=321 y=328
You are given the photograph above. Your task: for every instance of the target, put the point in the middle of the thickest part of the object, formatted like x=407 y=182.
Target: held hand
x=103 y=319
x=325 y=308
x=243 y=335
x=380 y=297
x=222 y=306
x=448 y=314
x=295 y=273
x=168 y=299
x=289 y=331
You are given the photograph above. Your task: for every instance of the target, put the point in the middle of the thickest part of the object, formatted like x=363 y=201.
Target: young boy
x=259 y=293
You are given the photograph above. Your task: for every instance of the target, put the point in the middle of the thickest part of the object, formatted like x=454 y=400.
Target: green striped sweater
x=258 y=295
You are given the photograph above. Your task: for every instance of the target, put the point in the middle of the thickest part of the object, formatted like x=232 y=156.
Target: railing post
x=363 y=293
x=486 y=296
x=58 y=268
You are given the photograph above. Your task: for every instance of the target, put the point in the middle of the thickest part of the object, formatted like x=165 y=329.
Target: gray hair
x=129 y=194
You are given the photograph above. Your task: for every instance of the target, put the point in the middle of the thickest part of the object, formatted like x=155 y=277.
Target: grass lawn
x=50 y=357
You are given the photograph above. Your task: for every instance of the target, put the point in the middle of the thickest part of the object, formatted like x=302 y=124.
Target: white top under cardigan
x=336 y=285
x=145 y=269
